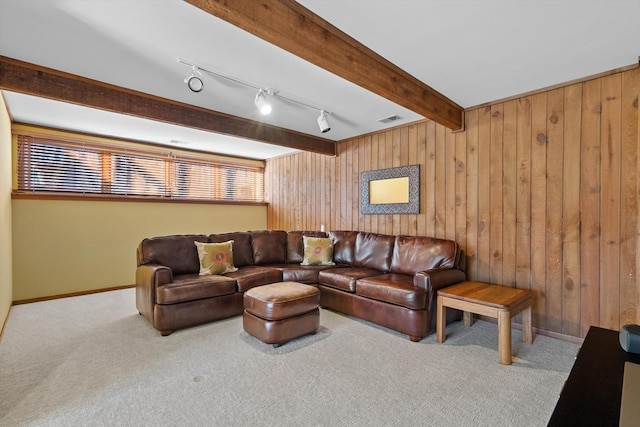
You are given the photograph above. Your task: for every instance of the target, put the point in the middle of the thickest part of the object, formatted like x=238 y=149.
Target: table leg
x=504 y=336
x=440 y=323
x=467 y=318
x=527 y=335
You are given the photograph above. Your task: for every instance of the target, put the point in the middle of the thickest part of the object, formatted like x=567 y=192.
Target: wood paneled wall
x=540 y=191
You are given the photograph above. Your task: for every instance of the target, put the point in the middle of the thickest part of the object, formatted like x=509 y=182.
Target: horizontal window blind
x=50 y=165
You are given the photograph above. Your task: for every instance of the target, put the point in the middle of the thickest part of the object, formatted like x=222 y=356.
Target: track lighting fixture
x=194 y=79
x=195 y=83
x=323 y=122
x=261 y=102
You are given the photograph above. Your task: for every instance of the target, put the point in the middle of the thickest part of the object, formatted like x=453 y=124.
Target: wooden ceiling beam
x=292 y=27
x=30 y=79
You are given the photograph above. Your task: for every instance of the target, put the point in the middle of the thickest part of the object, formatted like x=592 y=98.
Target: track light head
x=323 y=123
x=194 y=80
x=262 y=104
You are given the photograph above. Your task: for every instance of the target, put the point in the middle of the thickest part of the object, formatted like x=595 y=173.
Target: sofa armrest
x=148 y=278
x=438 y=278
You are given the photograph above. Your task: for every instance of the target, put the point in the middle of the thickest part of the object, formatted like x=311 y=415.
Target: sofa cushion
x=190 y=287
x=393 y=288
x=215 y=258
x=295 y=244
x=344 y=246
x=242 y=251
x=412 y=254
x=374 y=251
x=252 y=275
x=317 y=251
x=269 y=246
x=345 y=278
x=300 y=273
x=177 y=252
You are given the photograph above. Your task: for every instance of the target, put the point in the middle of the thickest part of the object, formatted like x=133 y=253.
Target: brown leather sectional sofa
x=388 y=280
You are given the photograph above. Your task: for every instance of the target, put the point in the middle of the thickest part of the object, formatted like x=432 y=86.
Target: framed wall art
x=390 y=191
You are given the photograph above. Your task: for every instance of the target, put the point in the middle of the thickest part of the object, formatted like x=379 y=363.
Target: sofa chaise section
x=394 y=279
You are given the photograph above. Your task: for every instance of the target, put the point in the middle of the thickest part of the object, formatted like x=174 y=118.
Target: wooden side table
x=499 y=302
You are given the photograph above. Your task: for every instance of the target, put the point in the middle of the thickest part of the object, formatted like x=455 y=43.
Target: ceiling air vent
x=390 y=119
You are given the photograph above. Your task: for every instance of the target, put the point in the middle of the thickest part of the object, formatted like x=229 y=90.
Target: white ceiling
x=472 y=51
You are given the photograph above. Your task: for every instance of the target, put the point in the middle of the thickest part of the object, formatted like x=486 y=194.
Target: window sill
x=24 y=195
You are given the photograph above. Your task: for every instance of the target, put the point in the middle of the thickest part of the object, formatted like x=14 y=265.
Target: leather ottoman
x=280 y=312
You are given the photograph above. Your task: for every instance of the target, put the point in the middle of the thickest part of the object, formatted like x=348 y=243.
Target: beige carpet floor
x=93 y=361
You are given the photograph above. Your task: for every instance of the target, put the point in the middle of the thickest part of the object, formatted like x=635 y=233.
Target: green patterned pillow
x=317 y=251
x=215 y=258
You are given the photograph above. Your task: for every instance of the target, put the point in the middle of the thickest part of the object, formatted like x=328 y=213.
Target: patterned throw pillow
x=317 y=251
x=215 y=258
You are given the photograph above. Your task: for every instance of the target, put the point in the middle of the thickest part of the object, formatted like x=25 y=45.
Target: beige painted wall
x=5 y=213
x=62 y=247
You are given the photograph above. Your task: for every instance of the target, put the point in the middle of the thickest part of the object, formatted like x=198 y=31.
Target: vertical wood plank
x=484 y=206
x=334 y=207
x=299 y=197
x=421 y=136
x=590 y=206
x=397 y=161
x=571 y=211
x=316 y=217
x=355 y=186
x=523 y=196
x=471 y=126
x=310 y=211
x=382 y=163
x=388 y=220
x=440 y=183
x=430 y=180
x=450 y=185
x=538 y=205
x=364 y=162
x=495 y=194
x=345 y=188
x=412 y=159
x=374 y=166
x=637 y=281
x=610 y=150
x=404 y=161
x=629 y=198
x=461 y=189
x=286 y=215
x=268 y=197
x=509 y=192
x=555 y=151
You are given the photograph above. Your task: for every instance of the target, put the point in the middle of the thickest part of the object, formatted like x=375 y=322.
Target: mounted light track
x=260 y=100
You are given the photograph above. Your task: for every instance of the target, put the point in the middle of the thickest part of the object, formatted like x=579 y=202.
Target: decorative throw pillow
x=215 y=258
x=317 y=251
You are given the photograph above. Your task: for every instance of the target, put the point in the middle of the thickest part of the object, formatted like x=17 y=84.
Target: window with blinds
x=49 y=165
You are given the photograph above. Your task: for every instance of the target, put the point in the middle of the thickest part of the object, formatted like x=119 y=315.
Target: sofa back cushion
x=269 y=246
x=242 y=251
x=295 y=244
x=374 y=251
x=178 y=252
x=412 y=254
x=344 y=246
